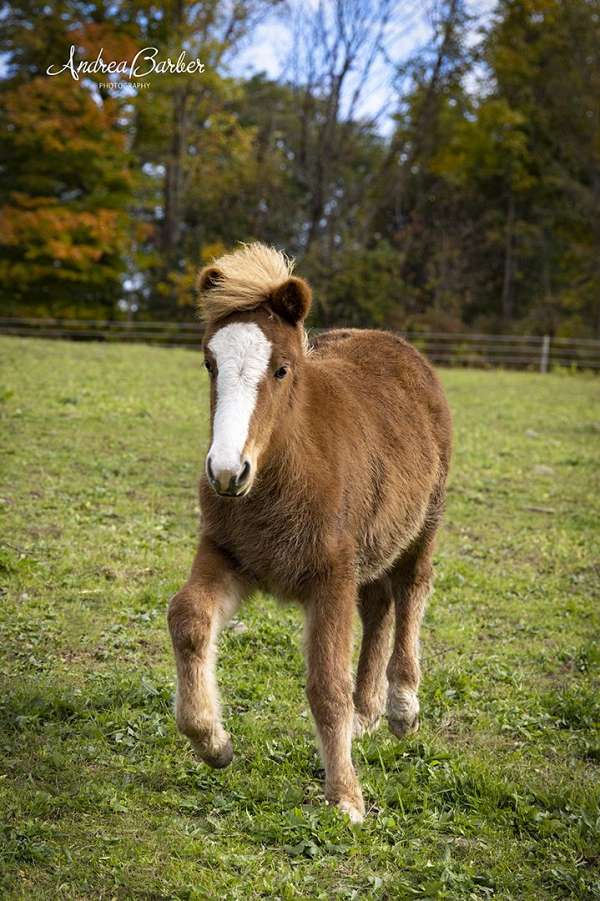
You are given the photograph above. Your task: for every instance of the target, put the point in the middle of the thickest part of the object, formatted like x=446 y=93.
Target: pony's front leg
x=196 y=614
x=329 y=689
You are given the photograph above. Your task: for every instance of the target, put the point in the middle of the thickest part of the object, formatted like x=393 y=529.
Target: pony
x=324 y=485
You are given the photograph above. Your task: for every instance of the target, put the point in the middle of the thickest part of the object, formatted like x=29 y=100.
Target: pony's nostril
x=243 y=476
x=209 y=470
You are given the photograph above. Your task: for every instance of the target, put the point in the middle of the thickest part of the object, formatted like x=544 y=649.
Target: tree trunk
x=173 y=179
x=174 y=165
x=386 y=184
x=507 y=284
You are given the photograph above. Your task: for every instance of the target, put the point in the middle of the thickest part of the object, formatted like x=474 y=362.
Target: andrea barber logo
x=144 y=63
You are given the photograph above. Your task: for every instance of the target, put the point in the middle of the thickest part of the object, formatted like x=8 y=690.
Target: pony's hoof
x=401 y=728
x=354 y=814
x=223 y=758
x=218 y=760
x=402 y=711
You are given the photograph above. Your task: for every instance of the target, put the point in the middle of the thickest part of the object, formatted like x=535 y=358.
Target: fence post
x=545 y=353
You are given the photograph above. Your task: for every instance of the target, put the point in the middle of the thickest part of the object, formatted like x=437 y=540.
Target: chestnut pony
x=324 y=484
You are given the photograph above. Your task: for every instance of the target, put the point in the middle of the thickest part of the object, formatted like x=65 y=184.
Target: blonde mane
x=246 y=278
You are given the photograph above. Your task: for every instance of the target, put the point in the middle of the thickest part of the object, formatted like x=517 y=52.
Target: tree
x=183 y=126
x=64 y=228
x=545 y=59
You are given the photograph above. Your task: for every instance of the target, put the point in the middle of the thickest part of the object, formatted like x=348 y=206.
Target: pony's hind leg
x=196 y=614
x=375 y=605
x=412 y=583
x=328 y=645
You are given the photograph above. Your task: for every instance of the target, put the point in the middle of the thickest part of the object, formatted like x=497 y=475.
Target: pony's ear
x=292 y=299
x=208 y=278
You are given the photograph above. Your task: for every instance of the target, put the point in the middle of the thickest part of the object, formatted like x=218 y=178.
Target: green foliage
x=497 y=796
x=366 y=288
x=523 y=157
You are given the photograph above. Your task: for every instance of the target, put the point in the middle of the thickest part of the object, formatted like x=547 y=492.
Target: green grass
x=497 y=796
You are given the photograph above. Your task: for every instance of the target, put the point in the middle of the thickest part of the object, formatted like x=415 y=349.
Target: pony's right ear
x=292 y=300
x=208 y=278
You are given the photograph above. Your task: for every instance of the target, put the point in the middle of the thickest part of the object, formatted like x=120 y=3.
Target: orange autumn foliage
x=65 y=230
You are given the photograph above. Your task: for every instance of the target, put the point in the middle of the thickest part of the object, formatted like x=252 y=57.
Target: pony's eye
x=280 y=373
x=209 y=366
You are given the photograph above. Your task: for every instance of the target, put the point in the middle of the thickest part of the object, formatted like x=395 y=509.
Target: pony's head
x=254 y=345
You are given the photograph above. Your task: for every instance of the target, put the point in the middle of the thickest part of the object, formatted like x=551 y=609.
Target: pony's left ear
x=292 y=300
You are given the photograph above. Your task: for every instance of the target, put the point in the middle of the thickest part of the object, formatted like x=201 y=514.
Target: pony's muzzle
x=228 y=481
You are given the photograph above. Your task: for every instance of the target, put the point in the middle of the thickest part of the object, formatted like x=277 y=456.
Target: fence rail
x=537 y=352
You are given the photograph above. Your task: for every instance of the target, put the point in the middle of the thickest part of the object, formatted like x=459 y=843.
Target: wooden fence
x=541 y=353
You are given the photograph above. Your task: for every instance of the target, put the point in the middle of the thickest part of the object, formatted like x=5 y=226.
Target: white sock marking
x=242 y=352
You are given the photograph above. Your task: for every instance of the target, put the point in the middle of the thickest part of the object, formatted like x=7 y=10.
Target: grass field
x=497 y=796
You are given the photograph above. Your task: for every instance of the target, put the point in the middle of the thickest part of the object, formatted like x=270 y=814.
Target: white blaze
x=242 y=353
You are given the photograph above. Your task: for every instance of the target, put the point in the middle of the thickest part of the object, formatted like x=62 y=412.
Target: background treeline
x=478 y=208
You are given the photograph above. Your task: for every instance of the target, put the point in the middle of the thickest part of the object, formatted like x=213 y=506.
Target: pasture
x=496 y=796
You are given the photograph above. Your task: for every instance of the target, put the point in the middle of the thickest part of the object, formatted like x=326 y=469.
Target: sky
x=269 y=49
